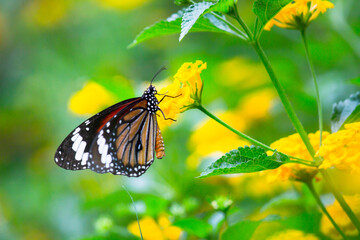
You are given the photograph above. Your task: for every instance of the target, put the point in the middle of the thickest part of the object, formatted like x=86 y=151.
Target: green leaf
x=355 y=81
x=244 y=160
x=265 y=10
x=191 y=15
x=172 y=25
x=354 y=116
x=224 y=6
x=241 y=230
x=195 y=11
x=194 y=226
x=344 y=110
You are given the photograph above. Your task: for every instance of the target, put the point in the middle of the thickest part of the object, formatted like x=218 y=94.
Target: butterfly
x=120 y=140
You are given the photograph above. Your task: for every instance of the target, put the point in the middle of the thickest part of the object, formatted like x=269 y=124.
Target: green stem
x=340 y=199
x=302 y=162
x=250 y=139
x=239 y=33
x=303 y=36
x=244 y=26
x=323 y=208
x=281 y=92
x=284 y=99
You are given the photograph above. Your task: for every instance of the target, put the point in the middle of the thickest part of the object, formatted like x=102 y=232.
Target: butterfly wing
x=130 y=150
x=74 y=151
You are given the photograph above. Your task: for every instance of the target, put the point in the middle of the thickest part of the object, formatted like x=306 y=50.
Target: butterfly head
x=149 y=95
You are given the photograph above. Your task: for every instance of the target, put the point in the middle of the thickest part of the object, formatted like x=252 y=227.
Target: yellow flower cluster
x=291 y=234
x=341 y=218
x=212 y=138
x=46 y=13
x=152 y=230
x=294 y=146
x=298 y=14
x=185 y=91
x=122 y=4
x=341 y=149
x=83 y=102
x=241 y=73
x=252 y=185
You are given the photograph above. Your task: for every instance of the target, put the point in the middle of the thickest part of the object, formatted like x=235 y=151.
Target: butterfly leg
x=166 y=117
x=168 y=96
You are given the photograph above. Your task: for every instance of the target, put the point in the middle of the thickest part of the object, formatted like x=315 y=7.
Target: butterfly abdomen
x=159 y=145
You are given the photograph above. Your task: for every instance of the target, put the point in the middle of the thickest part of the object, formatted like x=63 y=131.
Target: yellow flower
x=46 y=13
x=291 y=234
x=341 y=149
x=293 y=145
x=241 y=73
x=341 y=218
x=211 y=138
x=298 y=14
x=186 y=88
x=152 y=230
x=254 y=185
x=122 y=4
x=91 y=99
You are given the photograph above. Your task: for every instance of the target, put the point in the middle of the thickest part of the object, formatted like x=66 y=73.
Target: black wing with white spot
x=126 y=144
x=74 y=152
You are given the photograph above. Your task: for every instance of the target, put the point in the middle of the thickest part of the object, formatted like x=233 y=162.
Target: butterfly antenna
x=157 y=73
x=137 y=218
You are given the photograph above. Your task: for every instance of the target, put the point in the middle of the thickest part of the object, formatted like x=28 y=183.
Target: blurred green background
x=50 y=49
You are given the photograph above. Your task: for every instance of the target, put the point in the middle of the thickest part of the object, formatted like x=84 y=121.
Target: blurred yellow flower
x=254 y=185
x=186 y=88
x=298 y=14
x=241 y=73
x=123 y=4
x=91 y=99
x=46 y=13
x=212 y=138
x=152 y=230
x=294 y=146
x=292 y=234
x=341 y=149
x=341 y=218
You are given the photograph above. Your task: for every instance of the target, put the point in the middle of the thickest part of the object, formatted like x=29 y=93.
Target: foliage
x=52 y=49
x=346 y=111
x=245 y=160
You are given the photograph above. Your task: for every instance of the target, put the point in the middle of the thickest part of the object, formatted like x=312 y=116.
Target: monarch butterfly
x=120 y=139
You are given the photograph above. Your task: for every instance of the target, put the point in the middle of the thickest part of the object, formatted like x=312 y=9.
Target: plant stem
x=284 y=99
x=340 y=199
x=323 y=208
x=250 y=139
x=239 y=33
x=302 y=162
x=279 y=88
x=303 y=36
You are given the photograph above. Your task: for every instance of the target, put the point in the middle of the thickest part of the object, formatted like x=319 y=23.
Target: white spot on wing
x=101 y=143
x=76 y=130
x=73 y=138
x=104 y=153
x=108 y=161
x=76 y=144
x=80 y=151
x=85 y=157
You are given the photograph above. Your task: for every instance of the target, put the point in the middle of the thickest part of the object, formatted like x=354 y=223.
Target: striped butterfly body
x=120 y=140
